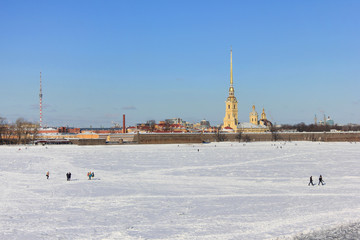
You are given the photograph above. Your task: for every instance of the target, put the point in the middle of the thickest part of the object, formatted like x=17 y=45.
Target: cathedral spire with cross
x=231 y=111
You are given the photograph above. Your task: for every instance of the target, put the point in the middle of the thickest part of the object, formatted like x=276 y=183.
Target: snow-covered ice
x=203 y=191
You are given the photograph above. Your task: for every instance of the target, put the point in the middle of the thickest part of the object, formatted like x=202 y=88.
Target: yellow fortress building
x=231 y=122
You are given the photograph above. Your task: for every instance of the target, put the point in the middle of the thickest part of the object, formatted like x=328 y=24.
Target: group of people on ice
x=68 y=175
x=90 y=175
x=320 y=181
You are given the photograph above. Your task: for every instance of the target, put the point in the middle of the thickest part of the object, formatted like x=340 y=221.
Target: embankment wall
x=244 y=137
x=181 y=138
x=98 y=141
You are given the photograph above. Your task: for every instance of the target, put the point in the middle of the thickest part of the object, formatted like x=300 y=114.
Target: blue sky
x=167 y=59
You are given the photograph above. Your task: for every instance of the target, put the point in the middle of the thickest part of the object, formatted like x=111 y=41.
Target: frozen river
x=210 y=191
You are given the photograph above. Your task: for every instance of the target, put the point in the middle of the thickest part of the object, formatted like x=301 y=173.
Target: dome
x=330 y=122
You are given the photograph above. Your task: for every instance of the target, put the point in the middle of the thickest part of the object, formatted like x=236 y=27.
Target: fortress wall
x=175 y=138
x=124 y=137
x=181 y=138
x=245 y=137
x=97 y=141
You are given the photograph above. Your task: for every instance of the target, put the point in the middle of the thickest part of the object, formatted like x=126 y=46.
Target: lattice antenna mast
x=40 y=96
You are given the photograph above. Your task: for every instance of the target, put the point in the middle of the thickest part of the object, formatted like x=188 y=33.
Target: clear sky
x=167 y=59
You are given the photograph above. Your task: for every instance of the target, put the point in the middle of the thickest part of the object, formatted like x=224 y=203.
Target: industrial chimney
x=124 y=128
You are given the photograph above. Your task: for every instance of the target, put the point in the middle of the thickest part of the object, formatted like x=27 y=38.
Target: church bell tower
x=231 y=111
x=254 y=117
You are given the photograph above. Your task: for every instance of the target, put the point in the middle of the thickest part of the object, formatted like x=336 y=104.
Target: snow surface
x=203 y=191
x=349 y=231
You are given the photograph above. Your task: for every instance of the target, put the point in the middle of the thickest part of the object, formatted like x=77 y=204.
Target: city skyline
x=163 y=60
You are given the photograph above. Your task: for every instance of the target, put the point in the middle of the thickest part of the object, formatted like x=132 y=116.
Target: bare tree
x=2 y=130
x=239 y=136
x=35 y=132
x=19 y=129
x=274 y=133
x=220 y=137
x=28 y=130
x=9 y=137
x=23 y=130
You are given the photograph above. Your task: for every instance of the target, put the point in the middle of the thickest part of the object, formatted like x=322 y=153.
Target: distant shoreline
x=191 y=138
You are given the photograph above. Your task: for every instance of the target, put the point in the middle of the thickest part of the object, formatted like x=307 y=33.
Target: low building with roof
x=250 y=127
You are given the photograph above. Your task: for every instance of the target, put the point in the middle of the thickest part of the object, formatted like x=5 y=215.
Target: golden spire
x=231 y=72
x=231 y=89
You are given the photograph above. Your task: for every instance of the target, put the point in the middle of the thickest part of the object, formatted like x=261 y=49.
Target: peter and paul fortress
x=231 y=119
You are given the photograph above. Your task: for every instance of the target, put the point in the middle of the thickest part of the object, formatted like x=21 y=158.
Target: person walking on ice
x=47 y=175
x=89 y=174
x=321 y=181
x=68 y=176
x=311 y=181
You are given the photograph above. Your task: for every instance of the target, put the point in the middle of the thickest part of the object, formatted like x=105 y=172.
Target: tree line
x=302 y=127
x=19 y=132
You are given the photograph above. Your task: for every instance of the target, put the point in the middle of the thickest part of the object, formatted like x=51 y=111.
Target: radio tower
x=40 y=96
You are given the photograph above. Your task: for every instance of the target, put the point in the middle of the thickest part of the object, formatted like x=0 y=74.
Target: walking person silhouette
x=311 y=181
x=321 y=180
